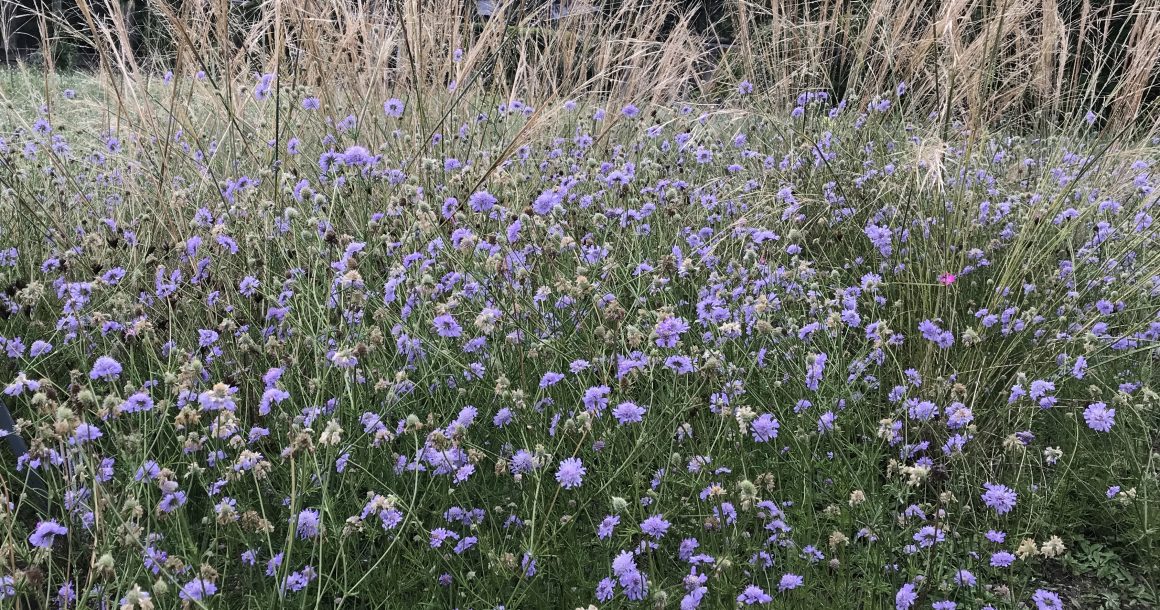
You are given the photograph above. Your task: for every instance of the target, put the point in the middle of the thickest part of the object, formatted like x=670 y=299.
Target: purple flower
x=446 y=326
x=262 y=90
x=394 y=107
x=905 y=597
x=85 y=433
x=1099 y=417
x=669 y=331
x=1046 y=600
x=655 y=526
x=571 y=473
x=999 y=497
x=503 y=417
x=39 y=348
x=308 y=522
x=357 y=156
x=105 y=368
x=45 y=533
x=197 y=590
x=440 y=535
x=815 y=367
x=932 y=332
x=790 y=581
x=596 y=398
x=550 y=378
x=964 y=578
x=753 y=595
x=605 y=589
x=628 y=412
x=1002 y=559
x=764 y=428
x=482 y=201
x=929 y=535
x=1078 y=370
x=604 y=531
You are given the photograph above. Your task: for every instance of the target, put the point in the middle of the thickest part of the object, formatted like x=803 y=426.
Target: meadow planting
x=778 y=350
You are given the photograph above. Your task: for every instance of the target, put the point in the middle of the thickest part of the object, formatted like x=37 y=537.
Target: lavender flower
x=1099 y=417
x=570 y=473
x=105 y=368
x=753 y=595
x=999 y=497
x=45 y=533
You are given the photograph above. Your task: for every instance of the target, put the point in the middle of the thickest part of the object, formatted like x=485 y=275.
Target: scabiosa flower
x=669 y=331
x=550 y=379
x=789 y=582
x=905 y=597
x=1099 y=417
x=745 y=87
x=446 y=326
x=929 y=535
x=357 y=156
x=570 y=473
x=197 y=590
x=85 y=433
x=440 y=535
x=1090 y=117
x=39 y=348
x=482 y=201
x=596 y=398
x=753 y=595
x=964 y=578
x=1078 y=370
x=1046 y=600
x=628 y=412
x=308 y=523
x=605 y=589
x=1001 y=559
x=999 y=497
x=604 y=531
x=764 y=428
x=394 y=107
x=262 y=90
x=503 y=417
x=45 y=533
x=655 y=526
x=105 y=368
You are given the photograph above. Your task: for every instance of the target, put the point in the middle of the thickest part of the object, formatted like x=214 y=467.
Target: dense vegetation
x=309 y=337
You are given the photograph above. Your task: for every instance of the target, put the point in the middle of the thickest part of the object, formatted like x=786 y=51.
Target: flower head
x=570 y=473
x=105 y=368
x=999 y=497
x=45 y=533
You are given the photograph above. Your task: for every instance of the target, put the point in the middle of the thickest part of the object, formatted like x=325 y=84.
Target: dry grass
x=984 y=61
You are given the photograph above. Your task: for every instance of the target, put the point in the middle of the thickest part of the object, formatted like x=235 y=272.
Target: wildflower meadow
x=453 y=349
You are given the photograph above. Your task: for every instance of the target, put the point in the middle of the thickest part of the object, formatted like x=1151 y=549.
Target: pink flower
x=946 y=279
